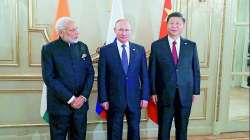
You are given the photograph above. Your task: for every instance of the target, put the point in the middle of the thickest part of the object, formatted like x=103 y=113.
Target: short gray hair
x=61 y=23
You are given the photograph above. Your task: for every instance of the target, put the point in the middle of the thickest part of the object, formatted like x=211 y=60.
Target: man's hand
x=78 y=102
x=144 y=103
x=154 y=98
x=105 y=105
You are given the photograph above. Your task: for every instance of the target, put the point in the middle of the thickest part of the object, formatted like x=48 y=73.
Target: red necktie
x=174 y=52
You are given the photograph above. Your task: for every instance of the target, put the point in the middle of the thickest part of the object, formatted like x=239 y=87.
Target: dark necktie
x=174 y=52
x=124 y=59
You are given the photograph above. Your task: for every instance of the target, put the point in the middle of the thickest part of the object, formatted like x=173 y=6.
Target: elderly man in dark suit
x=175 y=78
x=68 y=73
x=123 y=84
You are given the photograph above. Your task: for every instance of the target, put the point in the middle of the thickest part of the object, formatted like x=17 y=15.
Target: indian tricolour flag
x=43 y=109
x=62 y=10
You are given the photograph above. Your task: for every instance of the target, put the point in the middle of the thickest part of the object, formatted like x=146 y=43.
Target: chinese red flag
x=62 y=11
x=152 y=107
x=166 y=11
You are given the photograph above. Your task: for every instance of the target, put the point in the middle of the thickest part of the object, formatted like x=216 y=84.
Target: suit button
x=177 y=69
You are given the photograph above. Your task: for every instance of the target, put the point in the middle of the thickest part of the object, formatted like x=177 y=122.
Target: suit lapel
x=132 y=54
x=183 y=44
x=116 y=56
x=167 y=49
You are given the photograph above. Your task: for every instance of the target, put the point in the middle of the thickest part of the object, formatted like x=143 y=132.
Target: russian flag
x=116 y=13
x=100 y=111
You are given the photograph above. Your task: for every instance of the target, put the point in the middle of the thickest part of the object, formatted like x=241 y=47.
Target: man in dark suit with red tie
x=123 y=84
x=175 y=78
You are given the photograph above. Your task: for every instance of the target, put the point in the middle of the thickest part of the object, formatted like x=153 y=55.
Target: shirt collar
x=119 y=44
x=171 y=40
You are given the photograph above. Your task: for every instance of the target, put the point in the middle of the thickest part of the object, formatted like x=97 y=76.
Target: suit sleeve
x=152 y=70
x=196 y=72
x=102 y=91
x=144 y=77
x=90 y=76
x=49 y=76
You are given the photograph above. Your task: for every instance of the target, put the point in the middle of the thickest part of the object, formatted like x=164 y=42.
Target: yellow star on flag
x=168 y=11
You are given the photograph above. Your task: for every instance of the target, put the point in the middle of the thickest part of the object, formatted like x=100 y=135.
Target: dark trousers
x=181 y=117
x=115 y=124
x=73 y=125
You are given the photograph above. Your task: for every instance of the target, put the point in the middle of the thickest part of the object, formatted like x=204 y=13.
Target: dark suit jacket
x=165 y=76
x=114 y=85
x=66 y=71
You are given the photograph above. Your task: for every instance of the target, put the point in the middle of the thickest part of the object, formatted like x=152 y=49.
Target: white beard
x=74 y=41
x=70 y=40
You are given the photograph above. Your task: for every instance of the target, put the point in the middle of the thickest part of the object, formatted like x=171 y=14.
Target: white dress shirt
x=177 y=45
x=119 y=45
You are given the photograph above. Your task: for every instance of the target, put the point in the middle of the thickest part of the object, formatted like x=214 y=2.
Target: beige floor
x=224 y=136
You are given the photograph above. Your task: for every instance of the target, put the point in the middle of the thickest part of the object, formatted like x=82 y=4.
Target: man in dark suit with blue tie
x=68 y=74
x=123 y=84
x=175 y=78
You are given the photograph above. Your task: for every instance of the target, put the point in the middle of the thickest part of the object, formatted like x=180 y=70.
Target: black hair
x=176 y=14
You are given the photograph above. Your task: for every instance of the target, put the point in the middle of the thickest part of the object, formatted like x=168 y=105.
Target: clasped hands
x=78 y=102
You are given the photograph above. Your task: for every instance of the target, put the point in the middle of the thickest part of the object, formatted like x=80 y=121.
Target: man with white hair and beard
x=68 y=73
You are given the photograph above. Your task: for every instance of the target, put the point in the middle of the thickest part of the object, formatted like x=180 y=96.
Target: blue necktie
x=124 y=59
